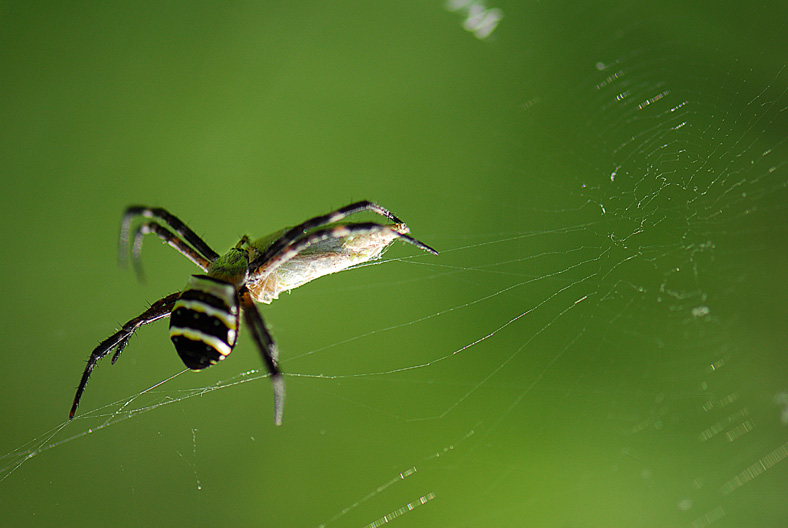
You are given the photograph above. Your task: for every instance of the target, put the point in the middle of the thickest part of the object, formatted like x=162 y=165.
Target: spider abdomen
x=204 y=322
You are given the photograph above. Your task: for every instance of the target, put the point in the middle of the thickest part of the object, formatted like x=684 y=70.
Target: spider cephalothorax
x=205 y=317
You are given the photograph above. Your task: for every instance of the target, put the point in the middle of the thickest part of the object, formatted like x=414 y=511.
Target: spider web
x=597 y=359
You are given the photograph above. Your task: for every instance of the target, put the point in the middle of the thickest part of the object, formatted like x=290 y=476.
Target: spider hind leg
x=119 y=339
x=267 y=347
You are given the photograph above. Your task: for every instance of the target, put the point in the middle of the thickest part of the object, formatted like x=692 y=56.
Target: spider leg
x=167 y=236
x=341 y=231
x=119 y=339
x=267 y=347
x=157 y=213
x=329 y=218
x=243 y=242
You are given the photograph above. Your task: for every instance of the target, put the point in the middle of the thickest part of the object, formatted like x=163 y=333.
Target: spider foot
x=279 y=398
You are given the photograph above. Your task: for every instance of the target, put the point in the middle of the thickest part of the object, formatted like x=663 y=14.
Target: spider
x=205 y=317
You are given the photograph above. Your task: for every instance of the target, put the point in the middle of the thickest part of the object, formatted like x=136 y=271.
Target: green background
x=602 y=341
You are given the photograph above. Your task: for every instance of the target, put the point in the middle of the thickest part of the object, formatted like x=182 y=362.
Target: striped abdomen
x=204 y=322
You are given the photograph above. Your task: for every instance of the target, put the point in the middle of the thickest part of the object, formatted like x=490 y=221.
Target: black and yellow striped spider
x=204 y=318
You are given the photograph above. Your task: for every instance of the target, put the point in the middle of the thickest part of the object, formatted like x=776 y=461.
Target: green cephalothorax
x=231 y=267
x=205 y=317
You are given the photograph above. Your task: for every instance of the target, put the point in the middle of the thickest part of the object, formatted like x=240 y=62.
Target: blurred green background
x=601 y=342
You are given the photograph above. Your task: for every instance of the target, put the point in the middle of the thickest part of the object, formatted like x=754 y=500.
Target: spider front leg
x=170 y=238
x=182 y=230
x=265 y=343
x=329 y=218
x=260 y=269
x=119 y=339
